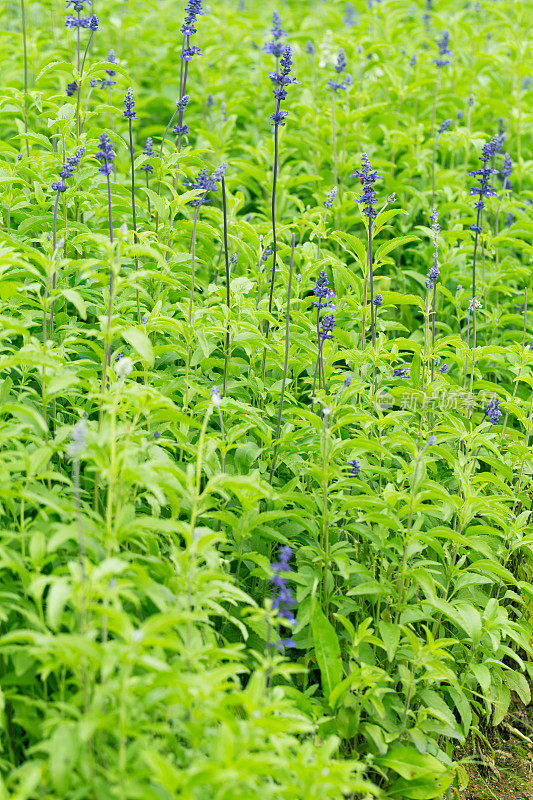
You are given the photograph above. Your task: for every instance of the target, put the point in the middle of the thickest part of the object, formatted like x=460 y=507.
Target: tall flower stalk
x=443 y=127
x=25 y=51
x=431 y=282
x=148 y=168
x=281 y=80
x=324 y=299
x=335 y=86
x=286 y=360
x=368 y=199
x=207 y=183
x=80 y=22
x=283 y=601
x=483 y=190
x=69 y=167
x=329 y=202
x=226 y=259
x=106 y=155
x=193 y=10
x=180 y=106
x=130 y=114
x=444 y=58
x=109 y=82
x=93 y=27
x=276 y=46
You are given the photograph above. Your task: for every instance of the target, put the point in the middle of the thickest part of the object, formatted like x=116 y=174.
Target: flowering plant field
x=266 y=406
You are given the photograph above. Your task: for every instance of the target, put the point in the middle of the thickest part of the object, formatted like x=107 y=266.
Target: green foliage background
x=135 y=602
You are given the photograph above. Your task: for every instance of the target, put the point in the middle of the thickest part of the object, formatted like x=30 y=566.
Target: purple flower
x=341 y=63
x=367 y=177
x=129 y=102
x=335 y=86
x=433 y=273
x=105 y=154
x=281 y=80
x=149 y=152
x=493 y=411
x=445 y=56
x=206 y=182
x=378 y=300
x=349 y=15
x=443 y=127
x=188 y=53
x=327 y=323
x=332 y=196
x=483 y=175
x=276 y=47
x=78 y=4
x=355 y=467
x=323 y=292
x=193 y=9
x=283 y=599
x=506 y=171
x=402 y=372
x=67 y=170
x=111 y=59
x=72 y=88
x=82 y=22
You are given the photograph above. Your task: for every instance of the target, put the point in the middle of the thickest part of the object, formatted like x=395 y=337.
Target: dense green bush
x=170 y=419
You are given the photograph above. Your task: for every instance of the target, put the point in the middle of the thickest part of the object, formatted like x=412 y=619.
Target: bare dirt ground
x=503 y=767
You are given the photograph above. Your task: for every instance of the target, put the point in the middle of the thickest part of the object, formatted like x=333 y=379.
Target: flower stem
x=107 y=348
x=274 y=240
x=435 y=102
x=25 y=48
x=134 y=215
x=433 y=331
x=226 y=256
x=433 y=171
x=371 y=269
x=192 y=251
x=54 y=275
x=286 y=363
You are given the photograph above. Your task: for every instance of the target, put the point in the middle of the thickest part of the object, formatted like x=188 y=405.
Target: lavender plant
x=67 y=171
x=280 y=80
x=443 y=127
x=483 y=190
x=106 y=155
x=443 y=60
x=130 y=114
x=335 y=86
x=368 y=199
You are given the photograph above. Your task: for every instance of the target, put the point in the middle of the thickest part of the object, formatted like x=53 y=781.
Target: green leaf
x=57 y=598
x=518 y=683
x=77 y=300
x=501 y=699
x=386 y=247
x=327 y=649
x=411 y=764
x=141 y=343
x=482 y=674
x=390 y=633
x=64 y=749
